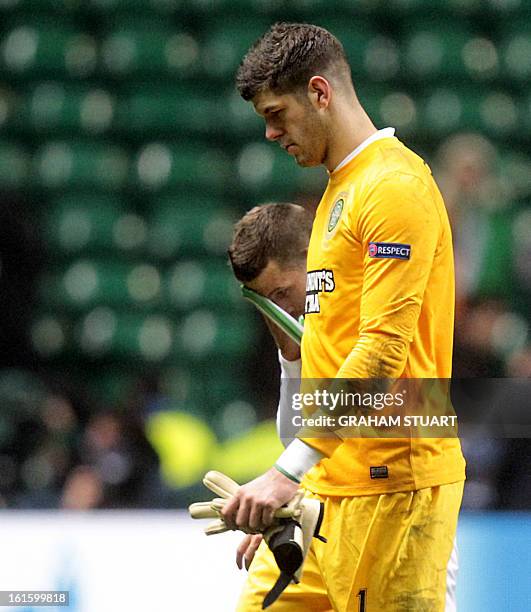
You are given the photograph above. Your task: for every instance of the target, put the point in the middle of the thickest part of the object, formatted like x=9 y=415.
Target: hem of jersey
x=379 y=488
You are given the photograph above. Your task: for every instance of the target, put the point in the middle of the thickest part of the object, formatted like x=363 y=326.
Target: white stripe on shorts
x=451 y=581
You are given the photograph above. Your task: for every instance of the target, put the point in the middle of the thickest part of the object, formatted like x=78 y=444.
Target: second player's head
x=268 y=253
x=297 y=76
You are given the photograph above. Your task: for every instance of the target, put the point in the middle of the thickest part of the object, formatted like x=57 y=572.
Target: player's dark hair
x=285 y=58
x=271 y=231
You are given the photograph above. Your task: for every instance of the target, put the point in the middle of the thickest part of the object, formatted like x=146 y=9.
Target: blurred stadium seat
x=60 y=165
x=168 y=110
x=58 y=108
x=78 y=222
x=15 y=165
x=44 y=48
x=161 y=165
x=224 y=45
x=179 y=226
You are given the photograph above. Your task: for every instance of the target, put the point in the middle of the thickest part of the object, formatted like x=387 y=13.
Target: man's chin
x=304 y=162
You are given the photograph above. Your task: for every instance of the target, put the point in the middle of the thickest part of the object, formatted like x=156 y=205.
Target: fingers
x=242 y=549
x=230 y=511
x=252 y=548
x=243 y=513
x=255 y=518
x=247 y=549
x=268 y=514
x=236 y=514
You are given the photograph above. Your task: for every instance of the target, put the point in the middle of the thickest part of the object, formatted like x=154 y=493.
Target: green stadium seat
x=194 y=283
x=521 y=251
x=170 y=166
x=10 y=102
x=516 y=50
x=356 y=36
x=38 y=49
x=181 y=384
x=15 y=165
x=526 y=115
x=506 y=10
x=202 y=389
x=446 y=110
x=441 y=112
x=85 y=283
x=264 y=169
x=109 y=386
x=163 y=111
x=516 y=169
x=235 y=417
x=317 y=8
x=95 y=332
x=371 y=96
x=135 y=337
x=55 y=107
x=240 y=119
x=69 y=165
x=500 y=114
x=205 y=333
x=481 y=58
x=40 y=6
x=197 y=228
x=78 y=223
x=51 y=335
x=382 y=58
x=224 y=46
x=404 y=9
x=138 y=49
x=130 y=233
x=399 y=110
x=149 y=7
x=433 y=50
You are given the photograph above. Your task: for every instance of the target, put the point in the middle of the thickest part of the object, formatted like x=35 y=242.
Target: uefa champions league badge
x=389 y=250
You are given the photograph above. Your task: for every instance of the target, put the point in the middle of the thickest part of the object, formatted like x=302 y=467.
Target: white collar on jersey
x=384 y=133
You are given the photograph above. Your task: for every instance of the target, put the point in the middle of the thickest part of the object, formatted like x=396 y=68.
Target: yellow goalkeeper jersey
x=380 y=303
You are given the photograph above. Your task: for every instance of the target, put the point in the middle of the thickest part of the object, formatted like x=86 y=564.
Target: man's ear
x=319 y=92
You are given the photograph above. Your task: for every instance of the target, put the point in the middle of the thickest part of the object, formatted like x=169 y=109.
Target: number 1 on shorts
x=363 y=600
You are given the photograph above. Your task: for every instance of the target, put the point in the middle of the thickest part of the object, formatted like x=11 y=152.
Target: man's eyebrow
x=271 y=108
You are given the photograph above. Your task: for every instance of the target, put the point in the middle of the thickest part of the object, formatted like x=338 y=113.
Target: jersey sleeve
x=398 y=226
x=290 y=372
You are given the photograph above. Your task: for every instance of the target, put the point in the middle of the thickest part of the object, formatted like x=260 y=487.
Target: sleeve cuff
x=297 y=459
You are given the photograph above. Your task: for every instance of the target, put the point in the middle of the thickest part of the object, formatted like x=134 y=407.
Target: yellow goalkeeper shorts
x=385 y=553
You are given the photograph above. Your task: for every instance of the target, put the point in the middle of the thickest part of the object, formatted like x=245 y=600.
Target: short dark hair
x=286 y=57
x=271 y=231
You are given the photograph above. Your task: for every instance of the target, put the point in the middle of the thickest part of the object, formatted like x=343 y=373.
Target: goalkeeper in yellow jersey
x=379 y=304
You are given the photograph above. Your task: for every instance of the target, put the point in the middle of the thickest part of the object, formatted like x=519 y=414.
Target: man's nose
x=273 y=133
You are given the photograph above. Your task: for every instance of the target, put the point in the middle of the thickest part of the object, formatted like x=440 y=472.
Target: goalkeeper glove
x=289 y=537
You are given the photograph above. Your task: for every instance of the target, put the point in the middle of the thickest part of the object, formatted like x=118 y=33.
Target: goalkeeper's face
x=284 y=284
x=292 y=122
